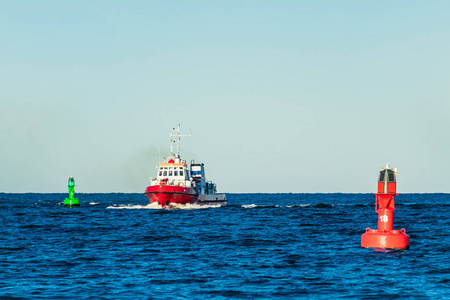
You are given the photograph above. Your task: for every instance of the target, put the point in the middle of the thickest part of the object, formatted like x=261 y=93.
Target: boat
x=176 y=183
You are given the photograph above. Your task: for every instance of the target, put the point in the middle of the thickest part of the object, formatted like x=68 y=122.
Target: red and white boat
x=175 y=183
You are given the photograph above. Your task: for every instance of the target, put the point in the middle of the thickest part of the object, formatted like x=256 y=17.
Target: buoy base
x=392 y=239
x=71 y=202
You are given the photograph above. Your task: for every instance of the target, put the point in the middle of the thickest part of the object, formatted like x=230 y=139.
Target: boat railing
x=172 y=182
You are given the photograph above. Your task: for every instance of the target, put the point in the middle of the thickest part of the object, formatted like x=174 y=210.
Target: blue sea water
x=260 y=246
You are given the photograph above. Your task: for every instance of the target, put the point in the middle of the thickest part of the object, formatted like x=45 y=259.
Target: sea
x=259 y=246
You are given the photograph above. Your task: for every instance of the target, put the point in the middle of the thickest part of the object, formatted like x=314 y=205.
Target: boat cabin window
x=175 y=173
x=181 y=173
x=170 y=172
x=165 y=173
x=160 y=173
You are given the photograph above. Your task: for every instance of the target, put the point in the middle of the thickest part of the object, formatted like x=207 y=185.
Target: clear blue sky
x=280 y=96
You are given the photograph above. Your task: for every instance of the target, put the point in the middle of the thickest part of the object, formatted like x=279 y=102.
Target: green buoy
x=71 y=201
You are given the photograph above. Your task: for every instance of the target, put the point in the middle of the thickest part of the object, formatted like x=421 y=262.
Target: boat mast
x=178 y=135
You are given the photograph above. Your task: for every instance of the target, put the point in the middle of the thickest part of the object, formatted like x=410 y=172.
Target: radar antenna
x=178 y=141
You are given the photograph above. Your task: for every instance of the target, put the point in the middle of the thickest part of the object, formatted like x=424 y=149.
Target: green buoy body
x=71 y=201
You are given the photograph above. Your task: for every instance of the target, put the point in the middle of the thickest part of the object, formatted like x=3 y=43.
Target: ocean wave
x=258 y=245
x=273 y=206
x=298 y=205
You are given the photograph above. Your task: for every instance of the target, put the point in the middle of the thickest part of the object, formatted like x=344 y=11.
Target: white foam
x=133 y=206
x=193 y=206
x=156 y=205
x=288 y=206
x=94 y=203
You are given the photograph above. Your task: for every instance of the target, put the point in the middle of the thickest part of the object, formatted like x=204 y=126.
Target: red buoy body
x=385 y=236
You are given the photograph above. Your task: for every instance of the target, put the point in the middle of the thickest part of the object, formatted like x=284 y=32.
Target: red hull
x=169 y=194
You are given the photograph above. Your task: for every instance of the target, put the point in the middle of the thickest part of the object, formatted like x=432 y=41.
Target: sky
x=280 y=96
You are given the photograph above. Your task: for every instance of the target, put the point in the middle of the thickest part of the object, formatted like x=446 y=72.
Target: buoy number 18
x=384 y=218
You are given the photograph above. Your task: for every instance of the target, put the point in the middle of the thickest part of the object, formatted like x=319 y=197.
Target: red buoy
x=385 y=236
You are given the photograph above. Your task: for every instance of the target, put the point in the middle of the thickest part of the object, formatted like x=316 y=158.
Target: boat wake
x=193 y=206
x=134 y=206
x=157 y=206
x=273 y=206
